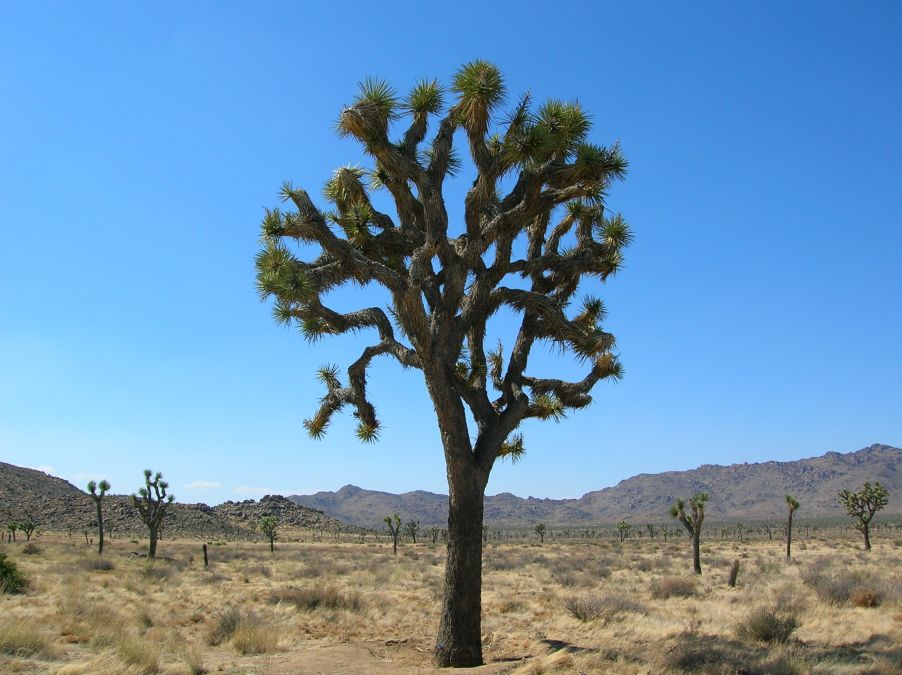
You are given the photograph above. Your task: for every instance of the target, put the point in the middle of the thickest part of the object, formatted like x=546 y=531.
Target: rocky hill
x=738 y=491
x=57 y=505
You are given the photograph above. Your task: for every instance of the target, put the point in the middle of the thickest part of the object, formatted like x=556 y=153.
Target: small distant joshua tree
x=540 y=530
x=152 y=502
x=411 y=529
x=28 y=526
x=433 y=533
x=268 y=526
x=651 y=530
x=692 y=523
x=666 y=532
x=863 y=505
x=13 y=528
x=623 y=529
x=394 y=528
x=98 y=490
x=792 y=504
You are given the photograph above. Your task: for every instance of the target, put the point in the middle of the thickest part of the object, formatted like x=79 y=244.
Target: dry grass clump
x=23 y=638
x=310 y=599
x=605 y=607
x=861 y=586
x=140 y=654
x=97 y=564
x=668 y=587
x=768 y=624
x=31 y=549
x=249 y=633
x=224 y=625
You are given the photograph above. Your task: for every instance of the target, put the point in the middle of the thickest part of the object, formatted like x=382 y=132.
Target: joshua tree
x=623 y=529
x=28 y=526
x=863 y=505
x=411 y=528
x=394 y=528
x=268 y=526
x=13 y=528
x=93 y=488
x=692 y=523
x=740 y=528
x=792 y=504
x=540 y=530
x=666 y=532
x=152 y=502
x=536 y=210
x=433 y=533
x=651 y=530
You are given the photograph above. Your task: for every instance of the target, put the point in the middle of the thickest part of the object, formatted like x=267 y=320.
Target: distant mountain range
x=55 y=504
x=738 y=491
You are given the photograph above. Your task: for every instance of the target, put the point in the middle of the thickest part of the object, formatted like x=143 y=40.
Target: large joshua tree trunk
x=99 y=529
x=789 y=535
x=459 y=641
x=152 y=548
x=865 y=527
x=696 y=550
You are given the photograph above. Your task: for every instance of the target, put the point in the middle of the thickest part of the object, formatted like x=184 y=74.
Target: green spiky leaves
x=279 y=273
x=481 y=89
x=426 y=98
x=547 y=407
x=373 y=109
x=368 y=433
x=513 y=448
x=328 y=375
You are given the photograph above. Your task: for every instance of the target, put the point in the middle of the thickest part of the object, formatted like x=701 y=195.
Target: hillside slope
x=56 y=504
x=747 y=491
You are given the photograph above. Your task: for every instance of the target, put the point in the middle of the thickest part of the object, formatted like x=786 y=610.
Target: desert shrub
x=224 y=625
x=194 y=658
x=865 y=597
x=604 y=607
x=258 y=570
x=667 y=587
x=768 y=624
x=20 y=637
x=31 y=548
x=156 y=572
x=97 y=564
x=139 y=654
x=11 y=578
x=253 y=636
x=565 y=578
x=310 y=599
x=508 y=606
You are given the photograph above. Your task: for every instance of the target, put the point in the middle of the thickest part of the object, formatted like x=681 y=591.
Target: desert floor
x=583 y=606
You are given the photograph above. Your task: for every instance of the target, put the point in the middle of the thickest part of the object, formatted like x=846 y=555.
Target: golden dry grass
x=581 y=606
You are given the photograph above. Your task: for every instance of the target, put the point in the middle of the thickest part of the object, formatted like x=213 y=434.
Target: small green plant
x=11 y=578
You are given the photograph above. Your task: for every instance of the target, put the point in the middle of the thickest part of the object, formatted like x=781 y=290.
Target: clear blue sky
x=759 y=315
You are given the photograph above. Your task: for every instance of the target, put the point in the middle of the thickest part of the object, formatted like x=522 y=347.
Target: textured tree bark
x=99 y=529
x=152 y=548
x=459 y=640
x=867 y=537
x=789 y=535
x=696 y=550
